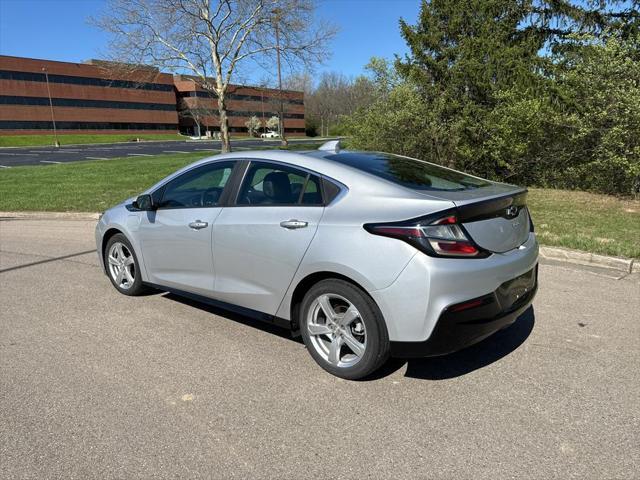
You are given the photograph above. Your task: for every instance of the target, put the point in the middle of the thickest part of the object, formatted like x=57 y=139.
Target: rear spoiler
x=330 y=146
x=506 y=206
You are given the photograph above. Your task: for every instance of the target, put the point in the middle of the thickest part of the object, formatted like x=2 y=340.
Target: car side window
x=200 y=187
x=272 y=184
x=312 y=194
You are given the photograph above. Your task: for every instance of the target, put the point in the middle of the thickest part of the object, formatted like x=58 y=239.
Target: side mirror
x=144 y=202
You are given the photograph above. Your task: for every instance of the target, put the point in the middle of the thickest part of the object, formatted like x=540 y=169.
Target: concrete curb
x=49 y=215
x=627 y=265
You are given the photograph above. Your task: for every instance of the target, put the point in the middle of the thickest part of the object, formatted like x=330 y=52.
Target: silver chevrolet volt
x=366 y=255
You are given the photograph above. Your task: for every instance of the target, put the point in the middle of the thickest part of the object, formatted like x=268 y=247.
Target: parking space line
x=48 y=161
x=16 y=154
x=140 y=154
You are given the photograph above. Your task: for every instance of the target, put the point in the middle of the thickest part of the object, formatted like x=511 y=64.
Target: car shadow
x=454 y=365
x=236 y=317
x=477 y=356
x=465 y=361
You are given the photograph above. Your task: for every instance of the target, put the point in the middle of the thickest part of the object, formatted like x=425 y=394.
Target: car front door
x=259 y=241
x=176 y=238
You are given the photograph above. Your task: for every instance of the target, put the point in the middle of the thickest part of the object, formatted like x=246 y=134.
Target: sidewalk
x=627 y=265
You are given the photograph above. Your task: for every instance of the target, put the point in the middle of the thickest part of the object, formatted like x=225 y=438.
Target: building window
x=82 y=103
x=239 y=96
x=45 y=125
x=90 y=81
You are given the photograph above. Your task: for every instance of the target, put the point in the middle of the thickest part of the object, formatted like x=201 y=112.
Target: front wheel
x=122 y=266
x=343 y=329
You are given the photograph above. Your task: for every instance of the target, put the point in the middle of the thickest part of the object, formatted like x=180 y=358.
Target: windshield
x=408 y=172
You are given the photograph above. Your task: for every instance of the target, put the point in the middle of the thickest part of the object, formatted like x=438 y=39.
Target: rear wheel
x=122 y=266
x=343 y=329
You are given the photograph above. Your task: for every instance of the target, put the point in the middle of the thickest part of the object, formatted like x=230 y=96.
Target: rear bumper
x=456 y=330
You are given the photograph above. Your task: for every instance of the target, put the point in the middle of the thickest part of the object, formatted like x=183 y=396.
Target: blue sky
x=58 y=30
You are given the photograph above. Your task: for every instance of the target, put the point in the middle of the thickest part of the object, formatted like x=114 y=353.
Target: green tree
x=513 y=90
x=601 y=150
x=462 y=56
x=401 y=123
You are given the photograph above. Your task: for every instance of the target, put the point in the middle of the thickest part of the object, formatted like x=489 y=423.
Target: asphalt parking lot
x=94 y=384
x=12 y=157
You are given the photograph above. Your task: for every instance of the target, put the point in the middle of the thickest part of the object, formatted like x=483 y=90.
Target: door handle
x=198 y=224
x=293 y=224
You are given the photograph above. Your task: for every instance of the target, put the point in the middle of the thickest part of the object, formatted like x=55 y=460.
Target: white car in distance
x=270 y=134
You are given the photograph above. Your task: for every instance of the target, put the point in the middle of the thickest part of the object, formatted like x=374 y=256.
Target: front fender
x=126 y=222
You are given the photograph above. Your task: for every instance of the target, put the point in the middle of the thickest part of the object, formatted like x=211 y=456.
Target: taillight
x=439 y=237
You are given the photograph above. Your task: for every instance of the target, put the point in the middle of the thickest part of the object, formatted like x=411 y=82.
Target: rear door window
x=273 y=184
x=311 y=194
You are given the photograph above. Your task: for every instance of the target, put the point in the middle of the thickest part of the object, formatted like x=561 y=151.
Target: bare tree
x=253 y=125
x=213 y=40
x=334 y=96
x=199 y=112
x=273 y=124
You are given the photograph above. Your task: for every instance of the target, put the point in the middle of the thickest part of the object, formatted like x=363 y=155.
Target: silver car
x=366 y=255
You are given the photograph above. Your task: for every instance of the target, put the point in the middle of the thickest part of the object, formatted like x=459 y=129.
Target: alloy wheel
x=336 y=330
x=122 y=266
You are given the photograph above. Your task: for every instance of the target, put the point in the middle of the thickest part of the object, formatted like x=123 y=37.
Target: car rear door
x=260 y=240
x=176 y=238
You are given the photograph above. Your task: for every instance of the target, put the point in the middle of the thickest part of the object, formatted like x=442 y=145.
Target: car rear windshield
x=408 y=172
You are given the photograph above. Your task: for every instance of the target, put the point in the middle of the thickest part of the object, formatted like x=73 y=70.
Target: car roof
x=316 y=161
x=323 y=163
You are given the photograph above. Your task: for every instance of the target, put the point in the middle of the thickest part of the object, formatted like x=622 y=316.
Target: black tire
x=377 y=338
x=137 y=287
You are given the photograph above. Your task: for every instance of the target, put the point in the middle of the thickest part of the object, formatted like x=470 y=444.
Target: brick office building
x=86 y=98
x=196 y=105
x=94 y=97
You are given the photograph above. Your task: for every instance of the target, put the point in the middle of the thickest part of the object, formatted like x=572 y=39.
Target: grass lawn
x=583 y=221
x=84 y=186
x=89 y=186
x=72 y=139
x=586 y=221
